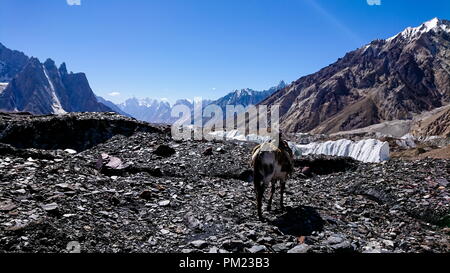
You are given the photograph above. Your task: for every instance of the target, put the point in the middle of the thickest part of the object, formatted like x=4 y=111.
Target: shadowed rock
x=78 y=131
x=299 y=221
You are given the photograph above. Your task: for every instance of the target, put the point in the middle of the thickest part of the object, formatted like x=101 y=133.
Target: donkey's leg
x=272 y=191
x=282 y=187
x=259 y=191
x=259 y=196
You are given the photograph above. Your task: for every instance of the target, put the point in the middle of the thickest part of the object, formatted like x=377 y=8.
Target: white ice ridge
x=57 y=107
x=236 y=135
x=412 y=32
x=368 y=150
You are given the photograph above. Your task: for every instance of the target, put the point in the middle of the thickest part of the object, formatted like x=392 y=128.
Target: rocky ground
x=134 y=189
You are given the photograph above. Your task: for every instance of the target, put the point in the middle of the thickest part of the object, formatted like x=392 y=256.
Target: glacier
x=367 y=150
x=237 y=135
x=407 y=141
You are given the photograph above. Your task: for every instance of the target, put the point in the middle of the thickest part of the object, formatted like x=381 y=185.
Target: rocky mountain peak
x=434 y=24
x=281 y=85
x=11 y=62
x=63 y=69
x=49 y=63
x=184 y=102
x=40 y=88
x=33 y=63
x=148 y=109
x=385 y=80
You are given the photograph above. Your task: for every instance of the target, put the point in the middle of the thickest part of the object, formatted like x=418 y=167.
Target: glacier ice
x=367 y=150
x=406 y=141
x=237 y=135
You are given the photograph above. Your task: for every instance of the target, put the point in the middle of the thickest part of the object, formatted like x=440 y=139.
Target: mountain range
x=42 y=88
x=159 y=111
x=27 y=85
x=390 y=79
x=112 y=106
x=247 y=97
x=150 y=110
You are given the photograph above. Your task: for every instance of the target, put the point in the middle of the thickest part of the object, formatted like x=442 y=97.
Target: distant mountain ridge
x=150 y=110
x=246 y=97
x=43 y=88
x=159 y=111
x=154 y=110
x=28 y=85
x=112 y=106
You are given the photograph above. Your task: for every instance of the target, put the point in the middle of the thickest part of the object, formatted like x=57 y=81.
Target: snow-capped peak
x=244 y=92
x=434 y=24
x=146 y=102
x=431 y=24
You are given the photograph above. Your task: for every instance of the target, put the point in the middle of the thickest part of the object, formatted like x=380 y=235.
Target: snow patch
x=366 y=47
x=3 y=86
x=57 y=107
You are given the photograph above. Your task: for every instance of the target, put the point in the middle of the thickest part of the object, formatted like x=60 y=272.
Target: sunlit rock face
x=391 y=79
x=27 y=85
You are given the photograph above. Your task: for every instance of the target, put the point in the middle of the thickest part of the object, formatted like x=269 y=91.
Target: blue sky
x=185 y=48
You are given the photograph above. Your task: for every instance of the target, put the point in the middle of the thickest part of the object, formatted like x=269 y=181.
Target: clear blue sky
x=186 y=48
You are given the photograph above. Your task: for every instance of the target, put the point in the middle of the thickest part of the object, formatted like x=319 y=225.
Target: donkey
x=271 y=161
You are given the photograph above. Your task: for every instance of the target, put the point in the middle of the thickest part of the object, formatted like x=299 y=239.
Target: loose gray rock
x=303 y=248
x=398 y=206
x=164 y=203
x=257 y=249
x=50 y=207
x=199 y=244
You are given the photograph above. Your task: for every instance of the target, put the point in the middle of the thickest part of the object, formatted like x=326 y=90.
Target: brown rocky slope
x=385 y=80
